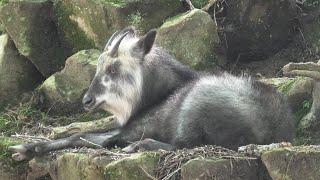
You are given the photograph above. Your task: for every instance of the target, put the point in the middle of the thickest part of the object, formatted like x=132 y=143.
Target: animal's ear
x=144 y=44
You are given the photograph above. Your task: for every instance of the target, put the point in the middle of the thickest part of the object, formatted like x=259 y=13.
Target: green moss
x=199 y=3
x=75 y=37
x=133 y=167
x=285 y=88
x=3 y=2
x=136 y=20
x=174 y=20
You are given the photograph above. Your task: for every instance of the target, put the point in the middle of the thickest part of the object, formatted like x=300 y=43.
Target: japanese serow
x=161 y=104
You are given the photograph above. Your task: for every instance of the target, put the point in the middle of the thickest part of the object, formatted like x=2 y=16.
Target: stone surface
x=96 y=126
x=298 y=89
x=255 y=29
x=18 y=75
x=193 y=39
x=246 y=169
x=135 y=167
x=31 y=26
x=89 y=23
x=293 y=164
x=75 y=166
x=62 y=92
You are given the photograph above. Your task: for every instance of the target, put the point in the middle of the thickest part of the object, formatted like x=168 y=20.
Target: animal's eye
x=112 y=69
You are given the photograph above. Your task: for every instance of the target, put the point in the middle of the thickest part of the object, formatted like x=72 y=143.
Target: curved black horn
x=114 y=51
x=110 y=40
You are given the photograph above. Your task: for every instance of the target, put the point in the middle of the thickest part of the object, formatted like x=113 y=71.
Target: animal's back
x=232 y=111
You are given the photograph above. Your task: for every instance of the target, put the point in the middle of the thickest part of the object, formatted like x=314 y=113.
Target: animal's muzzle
x=88 y=101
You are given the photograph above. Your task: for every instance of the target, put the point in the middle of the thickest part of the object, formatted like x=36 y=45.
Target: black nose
x=88 y=101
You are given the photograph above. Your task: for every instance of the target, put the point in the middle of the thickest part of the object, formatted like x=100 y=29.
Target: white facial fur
x=123 y=102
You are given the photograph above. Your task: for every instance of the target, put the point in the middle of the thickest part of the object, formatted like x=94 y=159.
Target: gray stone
x=135 y=167
x=18 y=74
x=295 y=164
x=76 y=166
x=89 y=23
x=62 y=92
x=193 y=39
x=31 y=26
x=220 y=169
x=298 y=89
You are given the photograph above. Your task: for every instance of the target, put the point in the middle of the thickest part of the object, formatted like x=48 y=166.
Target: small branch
x=308 y=69
x=309 y=66
x=30 y=137
x=311 y=74
x=190 y=4
x=98 y=145
x=149 y=175
x=171 y=174
x=208 y=6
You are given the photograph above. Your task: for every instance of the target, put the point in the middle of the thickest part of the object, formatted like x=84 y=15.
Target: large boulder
x=18 y=74
x=31 y=26
x=88 y=23
x=298 y=90
x=255 y=29
x=295 y=163
x=246 y=169
x=137 y=167
x=62 y=92
x=75 y=166
x=193 y=39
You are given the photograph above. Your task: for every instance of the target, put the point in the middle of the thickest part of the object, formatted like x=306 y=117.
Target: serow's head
x=117 y=84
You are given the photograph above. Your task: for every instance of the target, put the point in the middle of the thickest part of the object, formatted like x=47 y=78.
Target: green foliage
x=306 y=106
x=200 y=3
x=136 y=19
x=3 y=2
x=13 y=120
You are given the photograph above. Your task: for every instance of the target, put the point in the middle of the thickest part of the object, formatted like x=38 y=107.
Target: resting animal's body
x=167 y=105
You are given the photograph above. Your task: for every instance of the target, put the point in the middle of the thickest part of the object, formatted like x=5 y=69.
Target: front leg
x=28 y=151
x=132 y=143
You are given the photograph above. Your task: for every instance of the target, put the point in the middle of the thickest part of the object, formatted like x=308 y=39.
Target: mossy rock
x=297 y=164
x=246 y=169
x=298 y=89
x=10 y=169
x=31 y=26
x=62 y=92
x=193 y=39
x=89 y=23
x=136 y=167
x=75 y=166
x=18 y=74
